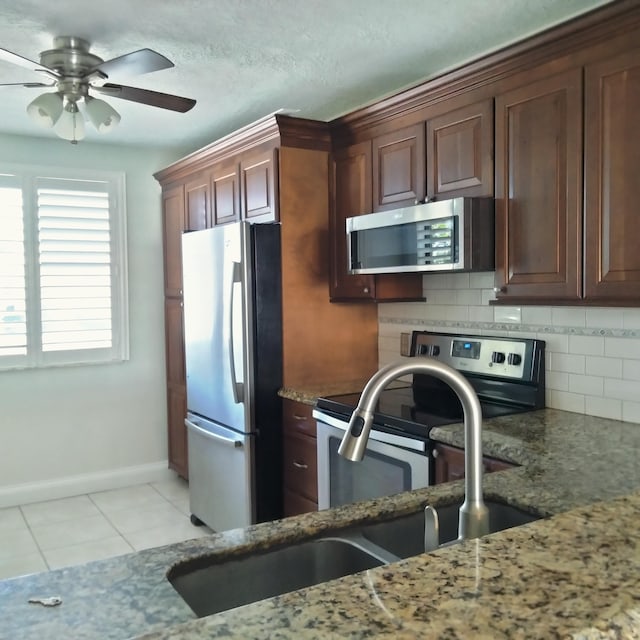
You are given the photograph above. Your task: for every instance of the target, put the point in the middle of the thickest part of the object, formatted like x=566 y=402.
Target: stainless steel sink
x=404 y=537
x=215 y=587
x=209 y=586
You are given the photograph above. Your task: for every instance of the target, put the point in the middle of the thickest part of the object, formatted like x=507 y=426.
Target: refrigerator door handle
x=236 y=387
x=231 y=442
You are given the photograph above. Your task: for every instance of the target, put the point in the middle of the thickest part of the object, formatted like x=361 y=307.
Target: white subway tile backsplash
x=558 y=380
x=631 y=411
x=587 y=345
x=558 y=342
x=469 y=296
x=512 y=315
x=592 y=354
x=609 y=318
x=631 y=318
x=482 y=280
x=622 y=389
x=566 y=362
x=487 y=296
x=566 y=401
x=606 y=367
x=603 y=407
x=622 y=347
x=461 y=280
x=568 y=317
x=589 y=385
x=631 y=370
x=442 y=296
x=480 y=314
x=536 y=315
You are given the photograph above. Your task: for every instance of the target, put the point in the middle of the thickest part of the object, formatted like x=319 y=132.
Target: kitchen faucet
x=474 y=516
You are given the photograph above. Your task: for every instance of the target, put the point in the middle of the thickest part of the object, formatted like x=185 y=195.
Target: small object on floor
x=51 y=601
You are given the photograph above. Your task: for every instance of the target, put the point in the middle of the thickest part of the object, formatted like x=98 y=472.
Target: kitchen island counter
x=575 y=575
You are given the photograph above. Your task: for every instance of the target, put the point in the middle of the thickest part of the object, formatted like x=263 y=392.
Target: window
x=62 y=268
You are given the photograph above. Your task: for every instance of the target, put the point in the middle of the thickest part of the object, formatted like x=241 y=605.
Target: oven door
x=391 y=464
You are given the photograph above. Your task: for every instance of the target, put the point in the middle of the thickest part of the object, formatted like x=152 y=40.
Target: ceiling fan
x=75 y=72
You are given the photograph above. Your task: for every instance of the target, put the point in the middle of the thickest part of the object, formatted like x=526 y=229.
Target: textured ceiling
x=243 y=59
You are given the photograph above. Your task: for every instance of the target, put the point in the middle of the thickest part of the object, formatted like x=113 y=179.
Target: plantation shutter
x=74 y=257
x=13 y=291
x=63 y=268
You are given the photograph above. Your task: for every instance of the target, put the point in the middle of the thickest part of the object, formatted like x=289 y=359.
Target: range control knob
x=429 y=350
x=514 y=358
x=497 y=356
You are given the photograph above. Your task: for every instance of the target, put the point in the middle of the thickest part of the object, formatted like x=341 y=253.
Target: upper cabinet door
x=196 y=193
x=398 y=168
x=460 y=152
x=173 y=203
x=351 y=184
x=258 y=173
x=538 y=189
x=612 y=186
x=225 y=194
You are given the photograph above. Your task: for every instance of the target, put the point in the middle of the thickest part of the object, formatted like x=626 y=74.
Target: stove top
x=507 y=374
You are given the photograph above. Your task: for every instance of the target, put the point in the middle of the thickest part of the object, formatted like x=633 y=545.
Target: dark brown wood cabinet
x=300 y=468
x=196 y=193
x=460 y=152
x=224 y=185
x=449 y=463
x=276 y=170
x=553 y=245
x=398 y=168
x=258 y=186
x=612 y=187
x=352 y=195
x=538 y=189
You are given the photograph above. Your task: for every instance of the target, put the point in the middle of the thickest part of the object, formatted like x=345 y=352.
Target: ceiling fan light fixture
x=70 y=124
x=46 y=109
x=102 y=115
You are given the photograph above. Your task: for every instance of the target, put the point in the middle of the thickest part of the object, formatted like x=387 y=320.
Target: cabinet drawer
x=295 y=504
x=297 y=418
x=300 y=466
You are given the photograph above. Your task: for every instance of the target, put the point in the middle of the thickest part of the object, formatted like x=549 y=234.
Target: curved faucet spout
x=474 y=518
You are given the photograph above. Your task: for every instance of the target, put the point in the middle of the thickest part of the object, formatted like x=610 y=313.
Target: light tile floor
x=58 y=533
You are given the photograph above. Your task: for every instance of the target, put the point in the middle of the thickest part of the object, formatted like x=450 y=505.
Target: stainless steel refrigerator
x=233 y=350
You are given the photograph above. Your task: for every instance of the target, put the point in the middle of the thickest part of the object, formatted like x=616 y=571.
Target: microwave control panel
x=504 y=357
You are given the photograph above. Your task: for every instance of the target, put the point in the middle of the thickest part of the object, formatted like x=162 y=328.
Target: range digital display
x=465 y=349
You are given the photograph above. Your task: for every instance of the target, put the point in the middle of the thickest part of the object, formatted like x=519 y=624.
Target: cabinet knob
x=299 y=417
x=300 y=465
x=365 y=289
x=501 y=289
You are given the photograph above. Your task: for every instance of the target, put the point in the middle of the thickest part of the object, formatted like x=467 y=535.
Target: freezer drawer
x=220 y=474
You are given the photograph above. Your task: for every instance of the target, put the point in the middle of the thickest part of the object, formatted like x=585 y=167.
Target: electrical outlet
x=405 y=344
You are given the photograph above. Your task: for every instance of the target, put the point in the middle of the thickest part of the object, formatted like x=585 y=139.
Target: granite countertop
x=575 y=574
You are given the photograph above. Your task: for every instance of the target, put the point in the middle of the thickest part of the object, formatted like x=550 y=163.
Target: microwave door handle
x=237 y=388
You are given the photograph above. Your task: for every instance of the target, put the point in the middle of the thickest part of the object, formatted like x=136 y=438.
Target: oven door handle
x=415 y=443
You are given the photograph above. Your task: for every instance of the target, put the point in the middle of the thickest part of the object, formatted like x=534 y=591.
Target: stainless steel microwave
x=447 y=235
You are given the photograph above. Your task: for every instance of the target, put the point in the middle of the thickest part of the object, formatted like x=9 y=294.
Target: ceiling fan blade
x=145 y=96
x=134 y=63
x=14 y=58
x=28 y=85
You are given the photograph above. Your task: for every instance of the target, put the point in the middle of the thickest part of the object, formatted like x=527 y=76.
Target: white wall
x=592 y=353
x=68 y=430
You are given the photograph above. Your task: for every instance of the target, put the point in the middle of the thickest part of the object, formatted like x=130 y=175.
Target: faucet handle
x=431 y=529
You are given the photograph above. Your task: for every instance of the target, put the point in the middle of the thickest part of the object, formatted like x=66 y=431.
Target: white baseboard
x=14 y=495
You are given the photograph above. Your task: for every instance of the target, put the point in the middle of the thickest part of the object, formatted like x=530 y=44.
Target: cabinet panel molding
x=612 y=187
x=225 y=196
x=538 y=189
x=460 y=152
x=398 y=168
